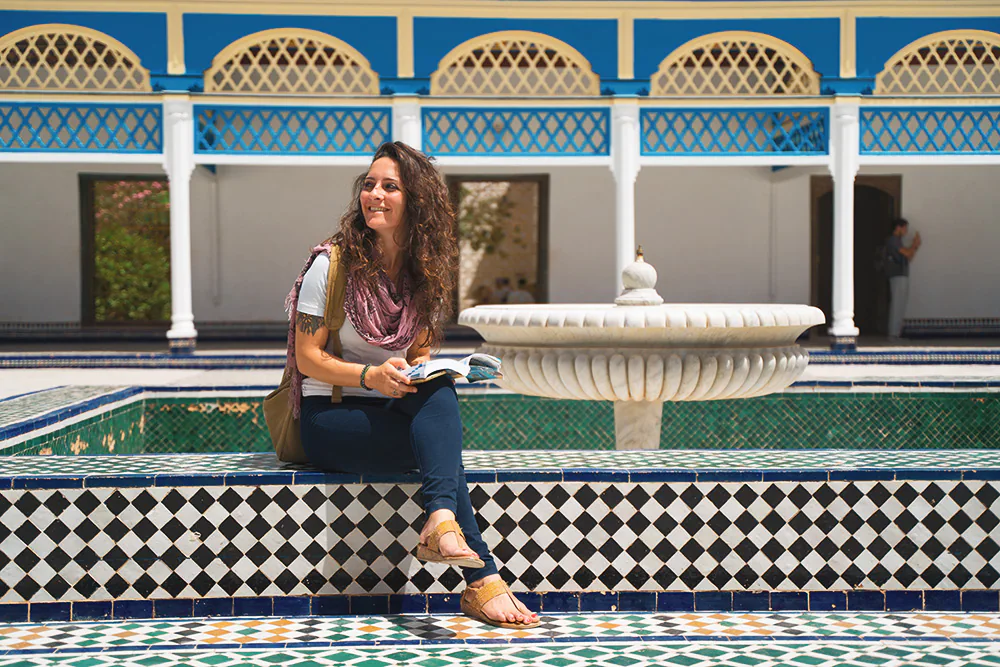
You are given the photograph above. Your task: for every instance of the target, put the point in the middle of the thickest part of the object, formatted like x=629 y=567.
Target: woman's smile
x=382 y=198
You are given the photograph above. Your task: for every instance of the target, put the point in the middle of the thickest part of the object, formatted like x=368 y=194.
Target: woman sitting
x=397 y=244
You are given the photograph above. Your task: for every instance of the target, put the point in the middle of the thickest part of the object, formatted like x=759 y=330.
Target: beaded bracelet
x=364 y=371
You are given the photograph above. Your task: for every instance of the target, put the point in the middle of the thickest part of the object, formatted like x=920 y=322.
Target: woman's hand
x=389 y=380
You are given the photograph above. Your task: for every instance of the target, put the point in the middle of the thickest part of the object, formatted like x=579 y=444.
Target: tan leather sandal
x=474 y=599
x=431 y=552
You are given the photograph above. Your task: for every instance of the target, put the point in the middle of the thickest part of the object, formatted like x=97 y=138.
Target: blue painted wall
x=880 y=38
x=144 y=33
x=207 y=34
x=819 y=39
x=596 y=39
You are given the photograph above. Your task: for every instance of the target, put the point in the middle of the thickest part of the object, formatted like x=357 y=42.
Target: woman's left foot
x=505 y=608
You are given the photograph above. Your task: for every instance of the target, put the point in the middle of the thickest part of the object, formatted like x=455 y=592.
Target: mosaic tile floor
x=557 y=655
x=522 y=459
x=414 y=629
x=639 y=640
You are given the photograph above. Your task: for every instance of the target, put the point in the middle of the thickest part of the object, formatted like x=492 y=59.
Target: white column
x=178 y=162
x=625 y=167
x=844 y=167
x=406 y=121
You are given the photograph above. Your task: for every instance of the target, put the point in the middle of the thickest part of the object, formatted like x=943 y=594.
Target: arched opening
x=520 y=63
x=735 y=64
x=291 y=62
x=956 y=62
x=68 y=58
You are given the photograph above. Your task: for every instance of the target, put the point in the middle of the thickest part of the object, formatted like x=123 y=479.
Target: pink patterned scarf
x=384 y=318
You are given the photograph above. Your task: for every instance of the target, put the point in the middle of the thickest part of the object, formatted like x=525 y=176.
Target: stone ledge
x=134 y=528
x=172 y=470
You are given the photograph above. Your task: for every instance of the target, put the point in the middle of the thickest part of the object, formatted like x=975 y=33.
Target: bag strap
x=334 y=314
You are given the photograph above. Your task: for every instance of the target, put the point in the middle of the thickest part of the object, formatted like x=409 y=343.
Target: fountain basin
x=641 y=352
x=670 y=352
x=641 y=356
x=687 y=325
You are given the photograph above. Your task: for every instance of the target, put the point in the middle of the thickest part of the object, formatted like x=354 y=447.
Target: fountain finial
x=639 y=280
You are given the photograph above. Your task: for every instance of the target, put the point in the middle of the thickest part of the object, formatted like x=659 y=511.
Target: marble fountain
x=640 y=352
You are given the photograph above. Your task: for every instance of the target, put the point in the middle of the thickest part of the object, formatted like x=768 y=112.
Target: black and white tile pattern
x=323 y=539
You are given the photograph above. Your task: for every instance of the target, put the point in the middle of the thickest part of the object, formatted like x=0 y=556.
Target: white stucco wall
x=706 y=232
x=714 y=234
x=268 y=219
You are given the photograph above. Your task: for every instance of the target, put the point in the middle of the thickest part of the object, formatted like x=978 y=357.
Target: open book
x=474 y=368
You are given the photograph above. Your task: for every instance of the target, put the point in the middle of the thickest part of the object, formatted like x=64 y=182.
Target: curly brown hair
x=430 y=246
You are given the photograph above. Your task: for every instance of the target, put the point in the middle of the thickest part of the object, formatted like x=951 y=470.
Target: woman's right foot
x=451 y=545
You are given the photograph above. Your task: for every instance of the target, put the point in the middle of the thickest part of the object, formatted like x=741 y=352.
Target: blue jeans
x=421 y=431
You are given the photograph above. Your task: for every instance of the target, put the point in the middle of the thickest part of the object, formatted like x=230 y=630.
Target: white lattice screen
x=735 y=63
x=291 y=62
x=514 y=63
x=66 y=57
x=945 y=63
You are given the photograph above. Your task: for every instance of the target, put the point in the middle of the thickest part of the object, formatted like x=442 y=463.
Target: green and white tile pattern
x=520 y=459
x=632 y=640
x=419 y=629
x=32 y=405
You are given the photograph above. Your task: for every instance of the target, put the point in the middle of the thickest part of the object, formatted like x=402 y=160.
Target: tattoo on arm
x=308 y=324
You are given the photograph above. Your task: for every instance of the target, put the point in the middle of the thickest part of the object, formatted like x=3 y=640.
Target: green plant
x=131 y=251
x=482 y=220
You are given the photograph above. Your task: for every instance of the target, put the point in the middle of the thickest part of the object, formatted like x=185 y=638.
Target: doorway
x=876 y=204
x=126 y=249
x=503 y=238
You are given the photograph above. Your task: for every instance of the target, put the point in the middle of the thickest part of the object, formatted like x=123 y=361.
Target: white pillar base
x=182 y=344
x=637 y=424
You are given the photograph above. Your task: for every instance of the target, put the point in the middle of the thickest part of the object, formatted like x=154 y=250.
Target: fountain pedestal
x=641 y=352
x=638 y=424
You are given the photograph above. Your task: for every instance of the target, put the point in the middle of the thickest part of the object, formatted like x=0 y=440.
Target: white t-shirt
x=356 y=350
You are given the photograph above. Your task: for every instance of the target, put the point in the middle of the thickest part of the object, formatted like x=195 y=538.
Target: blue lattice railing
x=522 y=131
x=291 y=130
x=79 y=128
x=930 y=130
x=735 y=131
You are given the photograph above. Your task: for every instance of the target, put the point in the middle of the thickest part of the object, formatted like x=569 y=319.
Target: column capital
x=177 y=107
x=844 y=139
x=406 y=121
x=625 y=140
x=624 y=110
x=178 y=136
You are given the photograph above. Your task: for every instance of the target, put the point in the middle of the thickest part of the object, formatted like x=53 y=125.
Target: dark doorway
x=876 y=203
x=503 y=238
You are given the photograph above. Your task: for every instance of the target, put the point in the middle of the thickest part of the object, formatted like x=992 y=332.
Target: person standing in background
x=897 y=269
x=502 y=290
x=521 y=294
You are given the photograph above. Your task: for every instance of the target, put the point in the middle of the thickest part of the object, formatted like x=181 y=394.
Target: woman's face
x=382 y=200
